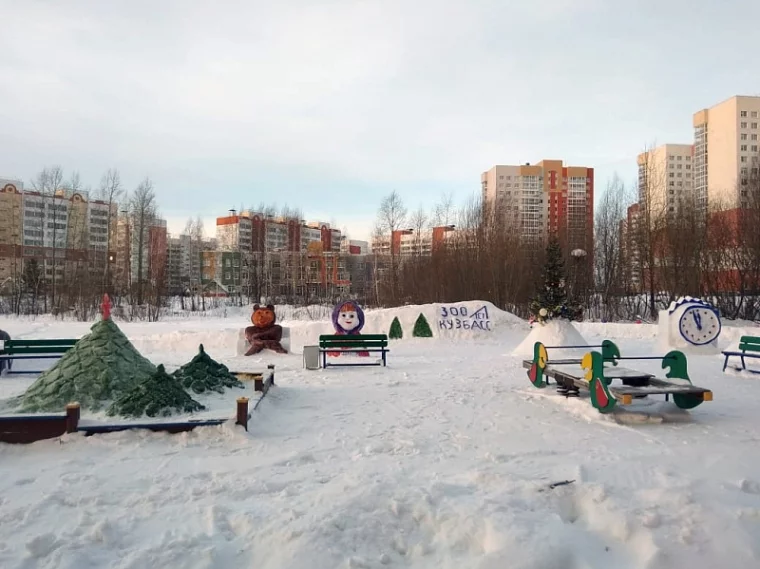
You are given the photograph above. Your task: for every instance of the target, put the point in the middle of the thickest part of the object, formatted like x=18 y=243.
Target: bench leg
x=743 y=365
x=725 y=363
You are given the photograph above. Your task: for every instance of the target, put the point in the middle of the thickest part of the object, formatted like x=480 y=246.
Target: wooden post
x=258 y=384
x=72 y=417
x=242 y=412
x=271 y=367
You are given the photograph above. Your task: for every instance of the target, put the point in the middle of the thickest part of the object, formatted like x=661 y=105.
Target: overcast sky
x=330 y=105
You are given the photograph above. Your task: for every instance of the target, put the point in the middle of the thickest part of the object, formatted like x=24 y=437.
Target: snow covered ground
x=443 y=459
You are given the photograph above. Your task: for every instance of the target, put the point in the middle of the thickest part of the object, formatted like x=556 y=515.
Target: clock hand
x=697 y=319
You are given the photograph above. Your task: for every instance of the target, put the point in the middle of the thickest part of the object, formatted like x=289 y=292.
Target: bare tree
x=391 y=217
x=418 y=222
x=609 y=250
x=195 y=231
x=47 y=183
x=443 y=212
x=142 y=208
x=110 y=191
x=652 y=188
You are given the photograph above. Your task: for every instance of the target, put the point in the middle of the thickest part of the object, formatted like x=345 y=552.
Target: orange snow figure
x=265 y=333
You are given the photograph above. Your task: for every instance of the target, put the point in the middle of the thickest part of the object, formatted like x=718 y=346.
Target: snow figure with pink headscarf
x=348 y=320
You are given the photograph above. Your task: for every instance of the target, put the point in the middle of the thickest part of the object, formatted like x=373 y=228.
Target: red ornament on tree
x=105 y=308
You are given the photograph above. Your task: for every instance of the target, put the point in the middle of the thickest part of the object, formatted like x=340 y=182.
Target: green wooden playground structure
x=596 y=371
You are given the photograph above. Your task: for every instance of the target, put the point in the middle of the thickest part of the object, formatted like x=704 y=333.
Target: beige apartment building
x=665 y=179
x=544 y=198
x=726 y=150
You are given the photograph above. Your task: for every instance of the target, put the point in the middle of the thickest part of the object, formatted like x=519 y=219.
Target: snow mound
x=553 y=333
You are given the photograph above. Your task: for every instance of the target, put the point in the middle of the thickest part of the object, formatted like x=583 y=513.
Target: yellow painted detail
x=588 y=365
x=707 y=396
x=543 y=357
x=626 y=399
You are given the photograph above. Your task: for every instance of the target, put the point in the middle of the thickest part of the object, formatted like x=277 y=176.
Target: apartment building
x=665 y=180
x=413 y=242
x=11 y=229
x=62 y=230
x=184 y=262
x=353 y=246
x=630 y=254
x=153 y=249
x=542 y=199
x=256 y=232
x=726 y=151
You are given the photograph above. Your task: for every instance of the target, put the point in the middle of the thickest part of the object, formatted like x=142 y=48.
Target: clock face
x=699 y=325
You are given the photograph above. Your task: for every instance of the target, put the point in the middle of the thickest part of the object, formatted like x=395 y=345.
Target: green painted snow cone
x=396 y=333
x=422 y=328
x=203 y=374
x=160 y=394
x=100 y=367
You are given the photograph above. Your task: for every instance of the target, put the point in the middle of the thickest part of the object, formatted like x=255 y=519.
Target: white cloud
x=326 y=103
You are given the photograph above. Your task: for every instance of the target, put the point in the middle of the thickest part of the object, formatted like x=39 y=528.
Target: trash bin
x=311 y=357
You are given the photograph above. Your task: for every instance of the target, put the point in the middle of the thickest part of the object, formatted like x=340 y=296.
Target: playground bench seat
x=352 y=344
x=34 y=350
x=749 y=347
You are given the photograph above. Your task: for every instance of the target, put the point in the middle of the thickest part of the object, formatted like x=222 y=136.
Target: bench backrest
x=749 y=344
x=58 y=346
x=353 y=341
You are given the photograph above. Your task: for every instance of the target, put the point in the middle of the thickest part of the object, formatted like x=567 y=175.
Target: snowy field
x=444 y=459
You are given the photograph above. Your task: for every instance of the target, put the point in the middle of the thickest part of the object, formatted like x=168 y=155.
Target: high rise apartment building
x=544 y=198
x=726 y=151
x=665 y=180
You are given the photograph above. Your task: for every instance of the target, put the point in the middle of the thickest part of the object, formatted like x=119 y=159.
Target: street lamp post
x=579 y=256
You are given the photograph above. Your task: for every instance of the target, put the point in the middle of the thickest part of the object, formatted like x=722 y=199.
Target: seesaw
x=590 y=373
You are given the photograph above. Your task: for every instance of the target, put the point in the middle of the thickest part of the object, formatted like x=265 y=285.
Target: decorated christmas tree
x=396 y=333
x=100 y=367
x=422 y=328
x=551 y=299
x=159 y=394
x=203 y=374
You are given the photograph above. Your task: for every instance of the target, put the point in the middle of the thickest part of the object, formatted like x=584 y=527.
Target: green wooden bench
x=34 y=350
x=353 y=344
x=749 y=347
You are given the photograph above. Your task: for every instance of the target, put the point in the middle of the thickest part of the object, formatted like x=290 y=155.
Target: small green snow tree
x=396 y=333
x=422 y=328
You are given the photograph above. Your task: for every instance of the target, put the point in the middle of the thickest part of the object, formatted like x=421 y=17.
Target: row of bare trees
x=473 y=258
x=63 y=259
x=652 y=245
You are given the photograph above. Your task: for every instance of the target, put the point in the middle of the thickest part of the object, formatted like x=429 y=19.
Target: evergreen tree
x=422 y=328
x=396 y=333
x=551 y=299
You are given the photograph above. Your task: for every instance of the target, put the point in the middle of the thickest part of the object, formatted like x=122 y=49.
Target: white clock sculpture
x=691 y=325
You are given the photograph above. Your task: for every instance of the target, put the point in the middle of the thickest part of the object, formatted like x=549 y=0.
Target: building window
x=744 y=124
x=754 y=114
x=754 y=137
x=753 y=126
x=744 y=159
x=744 y=136
x=754 y=148
x=672 y=174
x=744 y=113
x=744 y=148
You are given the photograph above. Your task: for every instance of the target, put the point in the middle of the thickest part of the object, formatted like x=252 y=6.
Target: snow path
x=441 y=460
